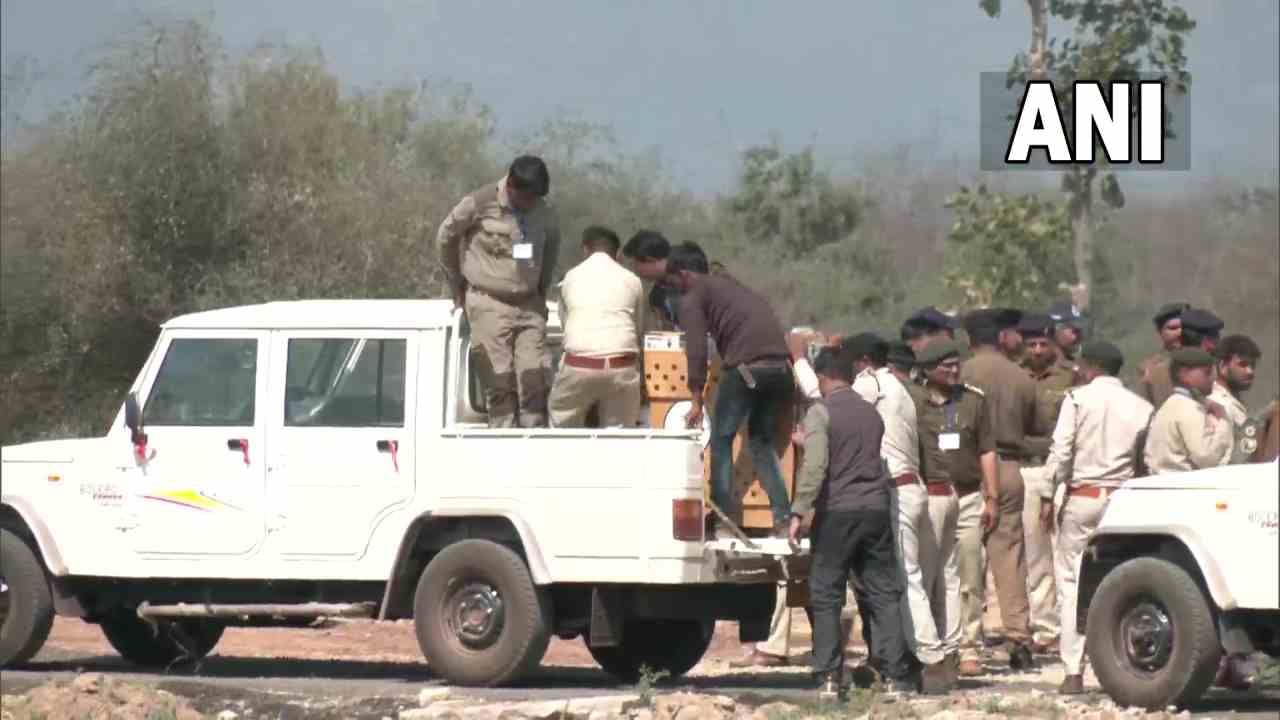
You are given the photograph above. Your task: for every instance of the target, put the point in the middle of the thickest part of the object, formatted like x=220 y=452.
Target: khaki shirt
x=964 y=412
x=602 y=308
x=1011 y=397
x=1154 y=383
x=1184 y=436
x=1095 y=440
x=481 y=243
x=1246 y=431
x=1051 y=387
x=900 y=447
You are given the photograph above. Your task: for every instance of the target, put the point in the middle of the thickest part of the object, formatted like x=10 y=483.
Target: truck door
x=200 y=489
x=343 y=446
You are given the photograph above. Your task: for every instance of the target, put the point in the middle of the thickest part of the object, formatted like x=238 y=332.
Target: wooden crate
x=667 y=382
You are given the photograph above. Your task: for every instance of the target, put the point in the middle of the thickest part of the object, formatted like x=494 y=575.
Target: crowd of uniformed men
x=927 y=463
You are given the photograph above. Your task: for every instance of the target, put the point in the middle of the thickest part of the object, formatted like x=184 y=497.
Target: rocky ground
x=368 y=670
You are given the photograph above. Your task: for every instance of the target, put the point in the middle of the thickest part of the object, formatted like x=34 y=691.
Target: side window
x=345 y=383
x=205 y=383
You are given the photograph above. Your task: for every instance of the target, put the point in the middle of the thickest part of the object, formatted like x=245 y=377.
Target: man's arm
x=693 y=319
x=813 y=471
x=550 y=254
x=1209 y=439
x=448 y=244
x=987 y=464
x=1057 y=469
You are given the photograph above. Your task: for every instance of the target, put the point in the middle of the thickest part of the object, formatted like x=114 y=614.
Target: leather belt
x=605 y=363
x=503 y=297
x=1093 y=491
x=906 y=479
x=939 y=489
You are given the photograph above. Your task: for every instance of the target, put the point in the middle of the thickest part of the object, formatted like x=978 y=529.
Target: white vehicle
x=1182 y=568
x=300 y=459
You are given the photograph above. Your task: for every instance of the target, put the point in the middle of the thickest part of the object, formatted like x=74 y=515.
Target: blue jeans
x=759 y=406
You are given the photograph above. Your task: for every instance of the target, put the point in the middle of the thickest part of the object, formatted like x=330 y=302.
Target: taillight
x=686 y=520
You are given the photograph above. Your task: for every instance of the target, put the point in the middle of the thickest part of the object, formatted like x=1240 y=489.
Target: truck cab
x=296 y=459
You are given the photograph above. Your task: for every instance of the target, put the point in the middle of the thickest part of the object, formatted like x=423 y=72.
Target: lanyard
x=950 y=410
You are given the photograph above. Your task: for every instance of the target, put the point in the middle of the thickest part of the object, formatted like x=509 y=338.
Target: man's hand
x=798 y=345
x=1215 y=409
x=989 y=514
x=693 y=420
x=1046 y=514
x=797 y=437
x=459 y=298
x=794 y=530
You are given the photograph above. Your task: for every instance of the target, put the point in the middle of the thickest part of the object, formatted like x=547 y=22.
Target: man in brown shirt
x=1012 y=398
x=1154 y=384
x=498 y=248
x=958 y=461
x=755 y=376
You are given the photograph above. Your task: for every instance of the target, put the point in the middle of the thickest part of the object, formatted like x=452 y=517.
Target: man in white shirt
x=1095 y=446
x=917 y=542
x=602 y=313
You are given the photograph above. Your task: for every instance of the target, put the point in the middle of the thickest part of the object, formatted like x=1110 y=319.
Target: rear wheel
x=1151 y=639
x=479 y=618
x=663 y=646
x=26 y=604
x=161 y=645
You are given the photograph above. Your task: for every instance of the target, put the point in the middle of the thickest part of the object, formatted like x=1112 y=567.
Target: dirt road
x=361 y=669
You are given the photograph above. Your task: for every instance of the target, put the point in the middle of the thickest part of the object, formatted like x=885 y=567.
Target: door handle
x=393 y=447
x=241 y=444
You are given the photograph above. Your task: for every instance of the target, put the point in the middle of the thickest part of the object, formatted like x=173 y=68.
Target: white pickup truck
x=330 y=458
x=1182 y=568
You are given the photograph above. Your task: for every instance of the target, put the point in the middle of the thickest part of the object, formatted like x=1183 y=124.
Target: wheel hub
x=475 y=614
x=1147 y=634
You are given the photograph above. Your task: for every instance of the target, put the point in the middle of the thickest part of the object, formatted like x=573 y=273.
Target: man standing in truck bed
x=498 y=247
x=755 y=376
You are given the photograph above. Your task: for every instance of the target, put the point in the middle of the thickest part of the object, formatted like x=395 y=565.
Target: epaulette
x=974 y=389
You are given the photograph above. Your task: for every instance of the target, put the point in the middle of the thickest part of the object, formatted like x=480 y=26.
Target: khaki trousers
x=1042 y=597
x=616 y=391
x=1078 y=519
x=1006 y=552
x=918 y=563
x=942 y=585
x=971 y=566
x=511 y=343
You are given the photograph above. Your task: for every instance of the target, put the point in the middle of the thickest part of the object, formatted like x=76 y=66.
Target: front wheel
x=670 y=647
x=163 y=644
x=1151 y=637
x=479 y=618
x=26 y=604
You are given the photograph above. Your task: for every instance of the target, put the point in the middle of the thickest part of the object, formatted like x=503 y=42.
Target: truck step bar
x=206 y=610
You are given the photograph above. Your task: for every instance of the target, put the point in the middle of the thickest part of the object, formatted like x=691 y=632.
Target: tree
x=1113 y=40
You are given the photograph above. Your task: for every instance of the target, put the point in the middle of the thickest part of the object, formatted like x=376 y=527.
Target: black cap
x=1064 y=313
x=901 y=354
x=1035 y=325
x=938 y=350
x=1191 y=357
x=1103 y=355
x=932 y=318
x=1201 y=321
x=1168 y=312
x=865 y=344
x=994 y=318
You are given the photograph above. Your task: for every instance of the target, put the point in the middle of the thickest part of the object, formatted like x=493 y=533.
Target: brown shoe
x=970 y=668
x=1072 y=685
x=1230 y=676
x=760 y=659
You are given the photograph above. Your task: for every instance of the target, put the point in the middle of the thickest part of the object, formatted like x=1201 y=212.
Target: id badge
x=949 y=441
x=522 y=251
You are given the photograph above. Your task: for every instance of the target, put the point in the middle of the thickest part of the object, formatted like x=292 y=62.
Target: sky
x=698 y=81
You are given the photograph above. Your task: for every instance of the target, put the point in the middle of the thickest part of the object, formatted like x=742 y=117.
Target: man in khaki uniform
x=1189 y=431
x=1068 y=328
x=1012 y=398
x=602 y=312
x=1238 y=357
x=1095 y=444
x=1153 y=373
x=1053 y=377
x=499 y=247
x=958 y=460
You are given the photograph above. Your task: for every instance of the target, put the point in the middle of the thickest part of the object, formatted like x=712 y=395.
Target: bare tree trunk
x=1081 y=205
x=1039 y=34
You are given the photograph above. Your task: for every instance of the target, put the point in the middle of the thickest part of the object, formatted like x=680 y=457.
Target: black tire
x=507 y=635
x=26 y=607
x=161 y=646
x=670 y=646
x=1151 y=635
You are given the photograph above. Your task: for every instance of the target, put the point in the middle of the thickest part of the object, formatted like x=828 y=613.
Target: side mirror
x=133 y=418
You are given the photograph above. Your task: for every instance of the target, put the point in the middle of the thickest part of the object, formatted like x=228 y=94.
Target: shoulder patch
x=976 y=390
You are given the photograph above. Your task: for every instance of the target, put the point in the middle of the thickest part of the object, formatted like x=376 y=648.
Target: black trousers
x=858 y=543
